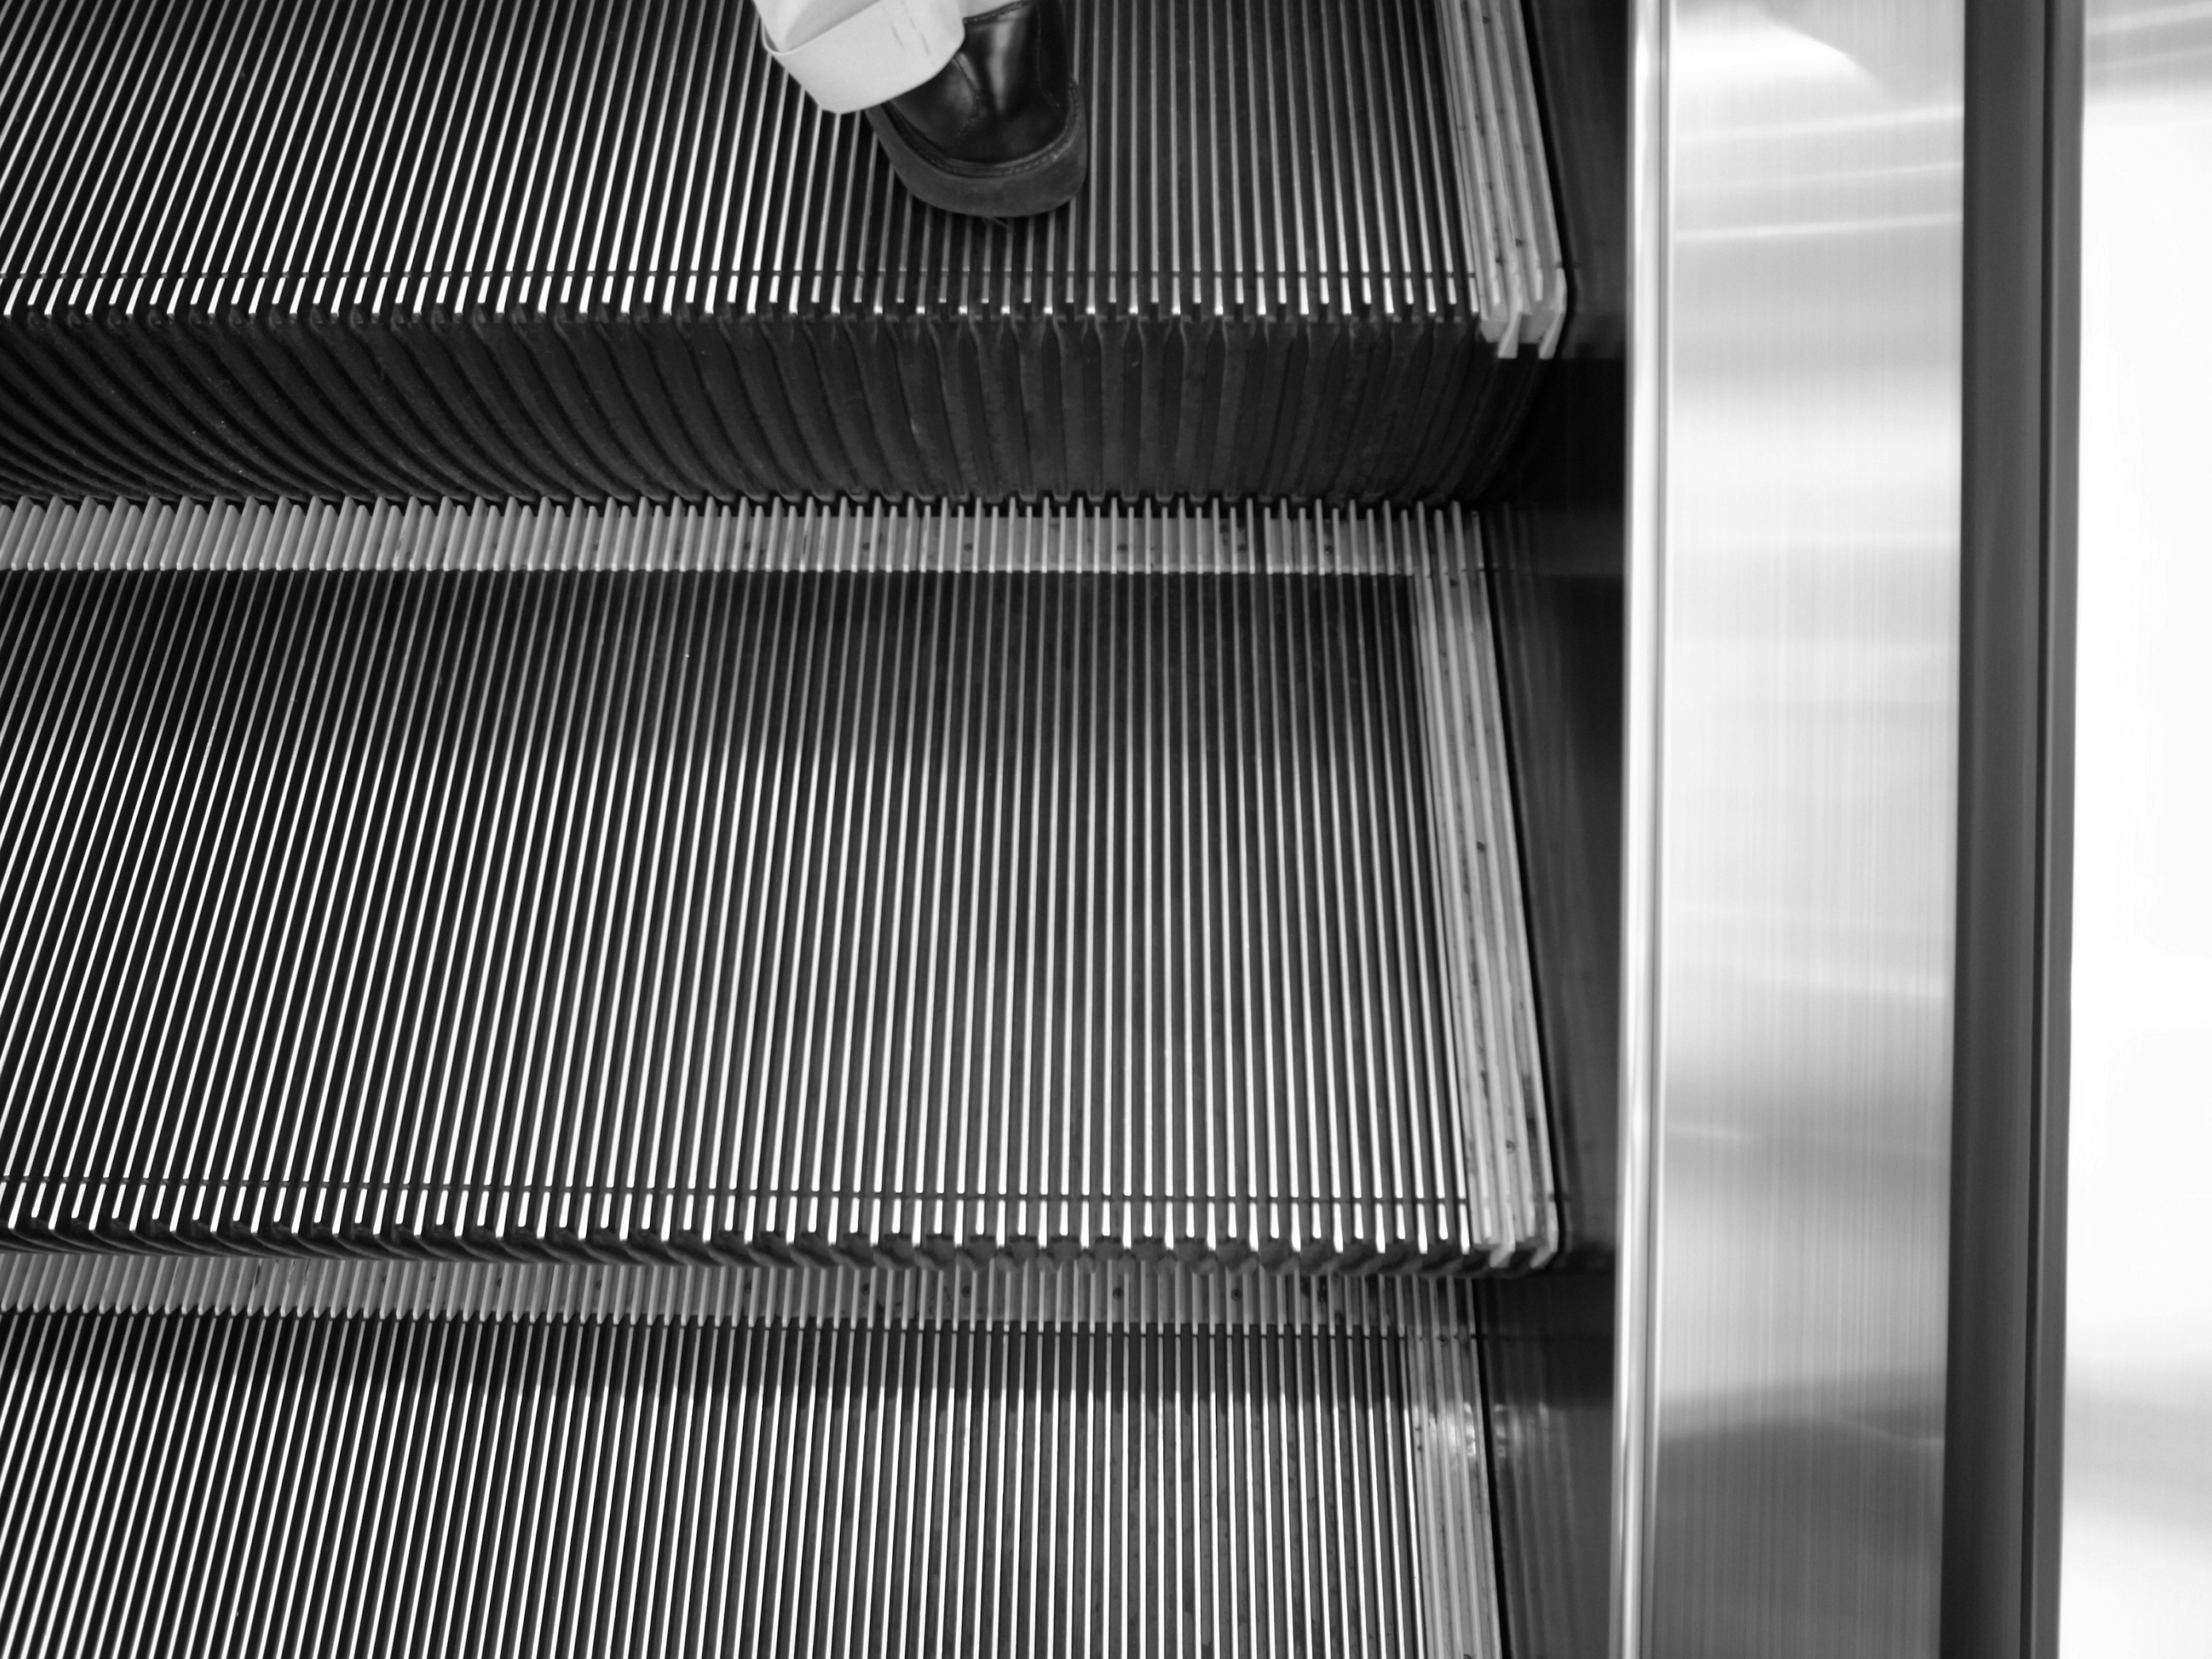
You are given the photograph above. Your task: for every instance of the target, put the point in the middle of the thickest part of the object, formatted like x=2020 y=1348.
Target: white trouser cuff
x=891 y=47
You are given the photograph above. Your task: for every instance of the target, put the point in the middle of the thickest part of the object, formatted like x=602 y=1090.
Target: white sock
x=792 y=23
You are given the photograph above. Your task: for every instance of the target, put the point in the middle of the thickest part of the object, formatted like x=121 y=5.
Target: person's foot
x=998 y=130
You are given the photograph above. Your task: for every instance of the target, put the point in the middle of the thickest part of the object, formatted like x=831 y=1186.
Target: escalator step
x=797 y=1479
x=609 y=252
x=877 y=884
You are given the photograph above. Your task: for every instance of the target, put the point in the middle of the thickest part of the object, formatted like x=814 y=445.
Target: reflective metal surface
x=2136 y=1547
x=1790 y=823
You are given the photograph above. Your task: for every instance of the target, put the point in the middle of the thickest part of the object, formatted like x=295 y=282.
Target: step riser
x=669 y=411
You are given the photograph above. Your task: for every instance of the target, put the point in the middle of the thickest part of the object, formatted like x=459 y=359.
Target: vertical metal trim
x=2002 y=1457
x=1637 y=1338
x=1786 y=1023
x=2067 y=69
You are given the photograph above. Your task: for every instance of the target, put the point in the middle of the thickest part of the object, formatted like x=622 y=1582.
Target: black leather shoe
x=998 y=130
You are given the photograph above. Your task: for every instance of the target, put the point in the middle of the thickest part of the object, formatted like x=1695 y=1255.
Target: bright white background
x=2137 y=1562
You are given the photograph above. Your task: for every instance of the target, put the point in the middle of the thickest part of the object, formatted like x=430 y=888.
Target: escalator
x=735 y=917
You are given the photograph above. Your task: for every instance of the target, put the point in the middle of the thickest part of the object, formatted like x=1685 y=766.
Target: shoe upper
x=1003 y=96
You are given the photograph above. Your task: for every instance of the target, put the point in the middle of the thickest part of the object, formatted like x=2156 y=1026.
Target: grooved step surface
x=786 y=892
x=593 y=249
x=245 y=1484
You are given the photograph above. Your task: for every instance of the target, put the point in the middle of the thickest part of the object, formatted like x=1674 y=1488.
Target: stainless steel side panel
x=1792 y=704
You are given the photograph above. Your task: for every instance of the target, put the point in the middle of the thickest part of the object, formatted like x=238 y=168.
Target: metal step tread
x=607 y=251
x=884 y=884
x=803 y=1474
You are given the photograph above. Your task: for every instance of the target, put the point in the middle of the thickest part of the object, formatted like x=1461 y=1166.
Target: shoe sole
x=1015 y=190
